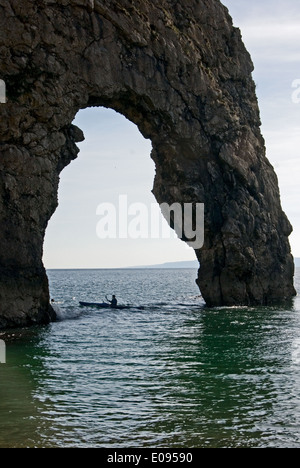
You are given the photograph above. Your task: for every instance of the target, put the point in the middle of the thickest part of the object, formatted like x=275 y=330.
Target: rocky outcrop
x=180 y=72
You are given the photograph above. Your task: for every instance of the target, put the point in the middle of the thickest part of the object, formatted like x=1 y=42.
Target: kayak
x=104 y=305
x=101 y=305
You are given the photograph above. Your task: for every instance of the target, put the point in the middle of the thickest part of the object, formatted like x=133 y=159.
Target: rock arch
x=180 y=71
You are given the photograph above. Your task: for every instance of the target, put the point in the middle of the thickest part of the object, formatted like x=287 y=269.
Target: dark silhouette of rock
x=180 y=72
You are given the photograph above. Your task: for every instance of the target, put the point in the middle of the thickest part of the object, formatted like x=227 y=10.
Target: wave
x=66 y=313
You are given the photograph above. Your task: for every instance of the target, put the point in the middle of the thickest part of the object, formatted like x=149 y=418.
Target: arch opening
x=107 y=216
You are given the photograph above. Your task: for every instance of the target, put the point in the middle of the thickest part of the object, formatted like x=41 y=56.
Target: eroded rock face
x=179 y=71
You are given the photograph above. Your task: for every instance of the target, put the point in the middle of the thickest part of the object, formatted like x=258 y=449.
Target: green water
x=173 y=375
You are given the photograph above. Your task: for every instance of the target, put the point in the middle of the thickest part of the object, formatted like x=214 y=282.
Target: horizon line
x=162 y=266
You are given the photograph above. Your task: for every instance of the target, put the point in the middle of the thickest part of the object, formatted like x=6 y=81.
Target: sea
x=173 y=374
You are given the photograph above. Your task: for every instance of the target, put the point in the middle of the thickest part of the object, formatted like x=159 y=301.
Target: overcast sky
x=115 y=158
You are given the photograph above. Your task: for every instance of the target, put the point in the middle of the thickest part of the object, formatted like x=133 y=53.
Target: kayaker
x=113 y=302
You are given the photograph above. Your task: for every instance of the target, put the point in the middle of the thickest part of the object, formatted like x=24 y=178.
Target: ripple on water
x=173 y=375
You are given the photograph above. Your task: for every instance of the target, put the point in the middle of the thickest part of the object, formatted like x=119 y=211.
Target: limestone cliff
x=178 y=70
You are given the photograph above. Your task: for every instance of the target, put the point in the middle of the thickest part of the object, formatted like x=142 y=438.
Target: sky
x=114 y=159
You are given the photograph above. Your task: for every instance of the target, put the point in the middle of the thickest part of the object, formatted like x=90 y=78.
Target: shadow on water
x=20 y=411
x=236 y=368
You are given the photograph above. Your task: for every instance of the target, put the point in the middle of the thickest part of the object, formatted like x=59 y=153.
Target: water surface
x=175 y=374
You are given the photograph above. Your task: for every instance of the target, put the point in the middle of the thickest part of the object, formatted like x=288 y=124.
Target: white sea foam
x=67 y=313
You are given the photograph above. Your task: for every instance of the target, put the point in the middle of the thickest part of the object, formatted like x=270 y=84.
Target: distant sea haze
x=186 y=264
x=190 y=264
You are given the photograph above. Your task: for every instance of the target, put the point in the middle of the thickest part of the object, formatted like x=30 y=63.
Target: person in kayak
x=113 y=302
